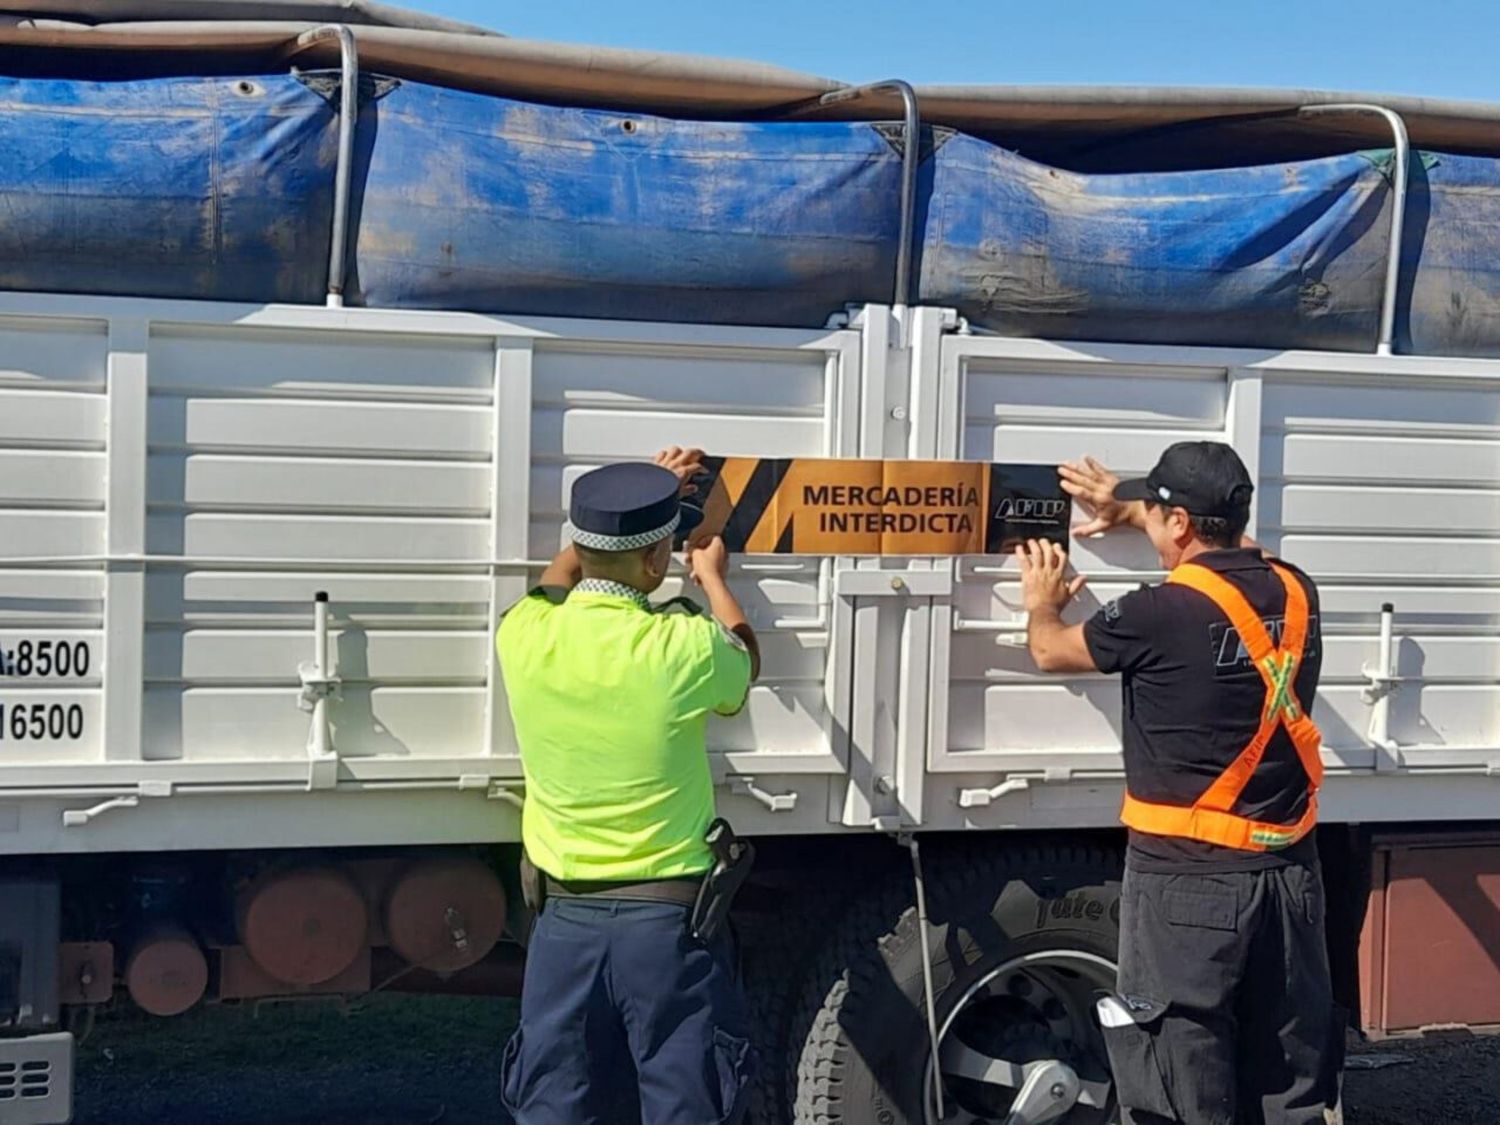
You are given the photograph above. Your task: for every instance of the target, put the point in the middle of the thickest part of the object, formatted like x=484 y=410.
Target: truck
x=310 y=315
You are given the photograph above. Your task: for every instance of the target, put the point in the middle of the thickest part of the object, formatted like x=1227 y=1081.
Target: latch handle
x=983 y=798
x=777 y=802
x=80 y=818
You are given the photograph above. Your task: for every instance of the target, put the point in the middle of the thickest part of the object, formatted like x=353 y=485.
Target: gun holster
x=733 y=859
x=533 y=885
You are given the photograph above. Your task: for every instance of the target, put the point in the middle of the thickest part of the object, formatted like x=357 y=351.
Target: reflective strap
x=1305 y=734
x=1209 y=819
x=1228 y=786
x=1233 y=604
x=1266 y=656
x=1308 y=740
x=1215 y=827
x=1294 y=633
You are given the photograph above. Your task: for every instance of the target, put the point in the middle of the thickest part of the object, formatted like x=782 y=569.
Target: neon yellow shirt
x=610 y=701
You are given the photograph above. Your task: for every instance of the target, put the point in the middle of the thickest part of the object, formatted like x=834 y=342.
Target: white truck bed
x=178 y=480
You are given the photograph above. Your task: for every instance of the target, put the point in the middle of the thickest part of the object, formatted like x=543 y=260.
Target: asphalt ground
x=398 y=1060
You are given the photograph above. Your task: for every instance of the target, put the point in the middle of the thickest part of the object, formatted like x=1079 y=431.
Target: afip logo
x=1026 y=502
x=1029 y=508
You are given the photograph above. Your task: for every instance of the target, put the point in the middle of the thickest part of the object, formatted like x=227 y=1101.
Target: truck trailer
x=310 y=315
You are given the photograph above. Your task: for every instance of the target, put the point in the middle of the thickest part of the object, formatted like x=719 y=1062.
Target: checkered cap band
x=621 y=542
x=613 y=590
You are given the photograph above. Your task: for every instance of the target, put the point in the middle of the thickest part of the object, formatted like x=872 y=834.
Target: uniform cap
x=1207 y=478
x=628 y=506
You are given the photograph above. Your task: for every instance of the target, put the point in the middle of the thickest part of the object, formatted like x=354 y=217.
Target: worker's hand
x=708 y=561
x=1044 y=576
x=1093 y=486
x=684 y=463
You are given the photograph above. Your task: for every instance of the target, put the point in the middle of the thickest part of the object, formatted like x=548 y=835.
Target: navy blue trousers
x=626 y=1018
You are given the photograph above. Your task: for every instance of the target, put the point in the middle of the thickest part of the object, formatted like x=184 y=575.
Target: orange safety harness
x=1211 y=818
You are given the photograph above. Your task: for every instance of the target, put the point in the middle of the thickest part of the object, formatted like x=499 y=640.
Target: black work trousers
x=1224 y=978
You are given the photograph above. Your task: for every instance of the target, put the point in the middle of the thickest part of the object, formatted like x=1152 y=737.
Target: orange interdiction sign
x=811 y=506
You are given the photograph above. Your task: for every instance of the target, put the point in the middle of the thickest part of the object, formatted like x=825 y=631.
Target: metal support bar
x=913 y=128
x=1398 y=207
x=1013 y=632
x=319 y=684
x=348 y=118
x=1382 y=685
x=929 y=999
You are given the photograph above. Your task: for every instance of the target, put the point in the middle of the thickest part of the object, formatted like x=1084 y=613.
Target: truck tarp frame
x=1099 y=128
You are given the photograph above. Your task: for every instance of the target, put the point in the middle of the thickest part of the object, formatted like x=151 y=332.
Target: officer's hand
x=685 y=463
x=708 y=560
x=1044 y=576
x=1093 y=486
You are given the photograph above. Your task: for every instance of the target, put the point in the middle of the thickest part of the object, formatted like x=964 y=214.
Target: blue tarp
x=221 y=188
x=1289 y=253
x=475 y=202
x=170 y=188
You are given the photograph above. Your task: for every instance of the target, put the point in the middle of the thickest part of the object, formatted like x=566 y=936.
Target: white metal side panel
x=53 y=408
x=1380 y=475
x=1387 y=487
x=178 y=480
x=285 y=461
x=1045 y=407
x=767 y=395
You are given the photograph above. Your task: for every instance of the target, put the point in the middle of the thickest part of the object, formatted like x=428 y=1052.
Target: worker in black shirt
x=1224 y=1010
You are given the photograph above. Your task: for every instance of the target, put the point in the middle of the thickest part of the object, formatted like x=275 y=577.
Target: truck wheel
x=780 y=948
x=1023 y=938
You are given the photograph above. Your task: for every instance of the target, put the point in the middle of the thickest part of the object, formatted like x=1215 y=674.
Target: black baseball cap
x=1207 y=478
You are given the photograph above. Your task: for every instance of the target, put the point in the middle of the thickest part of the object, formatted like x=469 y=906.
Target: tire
x=779 y=951
x=860 y=1034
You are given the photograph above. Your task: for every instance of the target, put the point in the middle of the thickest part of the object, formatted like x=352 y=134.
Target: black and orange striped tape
x=814 y=506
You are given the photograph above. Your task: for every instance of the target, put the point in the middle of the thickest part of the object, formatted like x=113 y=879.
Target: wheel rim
x=1025 y=1036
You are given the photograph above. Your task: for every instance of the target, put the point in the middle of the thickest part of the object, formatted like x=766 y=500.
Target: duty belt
x=709 y=895
x=678 y=892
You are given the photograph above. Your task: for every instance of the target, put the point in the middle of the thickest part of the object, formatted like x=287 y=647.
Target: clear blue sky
x=1439 y=48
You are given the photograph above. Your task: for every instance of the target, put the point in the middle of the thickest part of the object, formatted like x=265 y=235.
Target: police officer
x=624 y=1010
x=1224 y=1012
